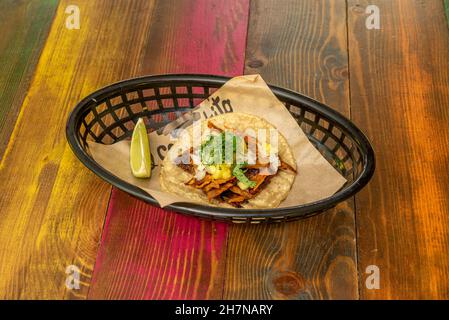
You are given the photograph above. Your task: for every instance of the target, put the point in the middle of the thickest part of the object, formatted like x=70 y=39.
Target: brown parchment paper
x=316 y=178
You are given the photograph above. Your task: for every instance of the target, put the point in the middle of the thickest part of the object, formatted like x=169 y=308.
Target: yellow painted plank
x=24 y=27
x=51 y=208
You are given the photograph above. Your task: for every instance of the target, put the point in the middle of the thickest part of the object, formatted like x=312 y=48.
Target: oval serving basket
x=109 y=115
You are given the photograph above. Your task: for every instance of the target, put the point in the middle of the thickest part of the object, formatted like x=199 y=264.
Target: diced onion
x=200 y=172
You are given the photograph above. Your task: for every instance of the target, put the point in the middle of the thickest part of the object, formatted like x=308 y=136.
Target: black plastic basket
x=109 y=115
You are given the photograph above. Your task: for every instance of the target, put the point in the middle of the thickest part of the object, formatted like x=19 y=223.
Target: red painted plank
x=147 y=252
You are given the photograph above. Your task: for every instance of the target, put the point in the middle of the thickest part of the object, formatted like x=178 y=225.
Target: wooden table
x=392 y=82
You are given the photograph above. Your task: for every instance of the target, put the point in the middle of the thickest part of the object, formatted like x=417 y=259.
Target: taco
x=231 y=166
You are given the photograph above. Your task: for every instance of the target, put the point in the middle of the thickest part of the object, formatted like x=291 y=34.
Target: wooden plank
x=399 y=94
x=24 y=26
x=446 y=7
x=301 y=45
x=52 y=208
x=151 y=253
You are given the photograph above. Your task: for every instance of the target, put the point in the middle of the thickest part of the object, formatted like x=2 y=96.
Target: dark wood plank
x=52 y=207
x=24 y=27
x=146 y=252
x=301 y=45
x=400 y=97
x=446 y=6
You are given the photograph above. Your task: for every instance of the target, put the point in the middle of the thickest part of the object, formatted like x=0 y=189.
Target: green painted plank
x=24 y=27
x=446 y=8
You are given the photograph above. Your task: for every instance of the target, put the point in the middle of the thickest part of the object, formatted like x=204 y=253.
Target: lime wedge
x=139 y=156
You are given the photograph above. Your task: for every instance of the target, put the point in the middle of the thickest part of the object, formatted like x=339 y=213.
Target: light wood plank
x=24 y=27
x=400 y=97
x=52 y=208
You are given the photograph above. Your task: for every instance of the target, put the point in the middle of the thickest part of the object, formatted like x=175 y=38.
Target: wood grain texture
x=400 y=97
x=446 y=7
x=52 y=207
x=149 y=253
x=300 y=45
x=24 y=27
x=146 y=252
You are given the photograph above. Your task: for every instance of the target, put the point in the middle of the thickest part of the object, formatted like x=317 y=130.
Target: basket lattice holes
x=113 y=118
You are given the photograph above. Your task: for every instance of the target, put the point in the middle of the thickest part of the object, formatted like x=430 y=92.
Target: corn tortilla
x=173 y=178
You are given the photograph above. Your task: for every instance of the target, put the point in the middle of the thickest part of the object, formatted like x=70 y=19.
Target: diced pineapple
x=217 y=174
x=211 y=169
x=267 y=148
x=242 y=186
x=219 y=171
x=226 y=172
